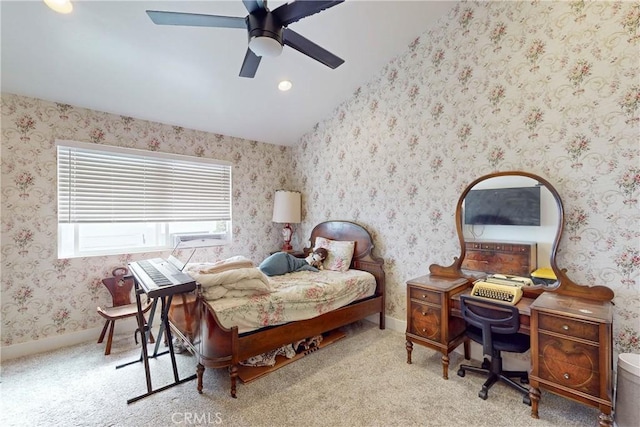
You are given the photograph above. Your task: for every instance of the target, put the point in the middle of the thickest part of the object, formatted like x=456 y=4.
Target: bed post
x=233 y=369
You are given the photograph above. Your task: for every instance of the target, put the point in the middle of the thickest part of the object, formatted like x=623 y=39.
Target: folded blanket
x=229 y=279
x=226 y=264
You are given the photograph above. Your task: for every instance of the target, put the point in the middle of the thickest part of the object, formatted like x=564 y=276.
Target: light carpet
x=361 y=380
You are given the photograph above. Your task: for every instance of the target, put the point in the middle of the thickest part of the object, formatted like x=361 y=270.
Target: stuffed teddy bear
x=316 y=258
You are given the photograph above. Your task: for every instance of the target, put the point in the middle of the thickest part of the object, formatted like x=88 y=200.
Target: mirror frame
x=564 y=285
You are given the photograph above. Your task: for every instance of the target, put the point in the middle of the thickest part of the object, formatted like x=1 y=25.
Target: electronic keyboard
x=159 y=278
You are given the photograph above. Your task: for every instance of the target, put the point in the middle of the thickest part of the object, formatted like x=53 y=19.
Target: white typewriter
x=500 y=288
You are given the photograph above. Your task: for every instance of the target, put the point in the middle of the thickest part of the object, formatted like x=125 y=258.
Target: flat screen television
x=503 y=206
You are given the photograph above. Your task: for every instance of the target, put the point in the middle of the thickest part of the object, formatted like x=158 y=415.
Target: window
x=114 y=200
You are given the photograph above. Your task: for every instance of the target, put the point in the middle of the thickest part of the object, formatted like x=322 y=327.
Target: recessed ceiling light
x=284 y=85
x=60 y=6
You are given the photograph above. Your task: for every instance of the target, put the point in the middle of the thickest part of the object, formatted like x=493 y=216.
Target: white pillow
x=339 y=254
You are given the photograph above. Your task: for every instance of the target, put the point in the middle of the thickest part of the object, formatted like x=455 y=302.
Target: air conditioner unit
x=198 y=240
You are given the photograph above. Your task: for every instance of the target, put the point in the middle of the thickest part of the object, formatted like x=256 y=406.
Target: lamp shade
x=286 y=207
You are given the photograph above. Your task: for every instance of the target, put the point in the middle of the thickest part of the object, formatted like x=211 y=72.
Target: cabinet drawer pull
x=566 y=376
x=424 y=295
x=424 y=313
x=565 y=327
x=424 y=330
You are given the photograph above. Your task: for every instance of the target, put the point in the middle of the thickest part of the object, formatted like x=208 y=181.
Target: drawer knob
x=565 y=327
x=424 y=295
x=424 y=330
x=424 y=313
x=566 y=376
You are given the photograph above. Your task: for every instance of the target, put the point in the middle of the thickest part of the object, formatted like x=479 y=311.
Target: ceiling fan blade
x=292 y=12
x=250 y=64
x=253 y=5
x=309 y=48
x=195 y=20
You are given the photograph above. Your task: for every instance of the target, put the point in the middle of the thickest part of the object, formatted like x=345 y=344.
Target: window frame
x=147 y=184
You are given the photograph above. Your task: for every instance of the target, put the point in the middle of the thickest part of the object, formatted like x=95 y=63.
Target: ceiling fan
x=267 y=30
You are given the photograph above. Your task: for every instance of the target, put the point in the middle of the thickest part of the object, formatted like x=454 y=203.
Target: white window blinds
x=98 y=183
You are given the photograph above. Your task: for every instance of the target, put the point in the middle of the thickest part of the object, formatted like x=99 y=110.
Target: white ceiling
x=109 y=56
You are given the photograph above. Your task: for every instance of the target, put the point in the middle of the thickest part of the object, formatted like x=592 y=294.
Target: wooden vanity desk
x=570 y=325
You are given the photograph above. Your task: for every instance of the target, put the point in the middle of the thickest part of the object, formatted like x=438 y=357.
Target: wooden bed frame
x=215 y=346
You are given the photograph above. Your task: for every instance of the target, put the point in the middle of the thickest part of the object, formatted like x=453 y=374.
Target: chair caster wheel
x=461 y=372
x=483 y=394
x=526 y=400
x=485 y=364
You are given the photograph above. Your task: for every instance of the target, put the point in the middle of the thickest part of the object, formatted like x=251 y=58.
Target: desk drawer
x=569 y=327
x=425 y=296
x=569 y=363
x=425 y=321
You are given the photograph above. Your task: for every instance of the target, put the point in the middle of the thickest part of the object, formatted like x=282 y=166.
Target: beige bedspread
x=279 y=299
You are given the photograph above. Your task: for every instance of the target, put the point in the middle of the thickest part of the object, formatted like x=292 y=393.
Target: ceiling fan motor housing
x=264 y=25
x=267 y=31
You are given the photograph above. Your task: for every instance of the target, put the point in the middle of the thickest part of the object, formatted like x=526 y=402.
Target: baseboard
x=389 y=323
x=123 y=326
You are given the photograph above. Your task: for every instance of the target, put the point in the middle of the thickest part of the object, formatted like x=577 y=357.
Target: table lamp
x=286 y=209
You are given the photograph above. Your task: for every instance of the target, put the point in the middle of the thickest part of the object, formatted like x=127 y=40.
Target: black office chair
x=495 y=325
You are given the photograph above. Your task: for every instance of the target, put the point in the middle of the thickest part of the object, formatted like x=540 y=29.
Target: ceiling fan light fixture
x=60 y=6
x=265 y=46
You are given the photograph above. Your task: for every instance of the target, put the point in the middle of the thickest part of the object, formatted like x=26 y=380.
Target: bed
x=194 y=319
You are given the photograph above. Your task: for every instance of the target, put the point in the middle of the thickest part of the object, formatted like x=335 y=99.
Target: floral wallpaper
x=552 y=88
x=43 y=296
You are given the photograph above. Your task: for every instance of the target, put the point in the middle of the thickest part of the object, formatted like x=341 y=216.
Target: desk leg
x=534 y=395
x=445 y=365
x=605 y=419
x=409 y=346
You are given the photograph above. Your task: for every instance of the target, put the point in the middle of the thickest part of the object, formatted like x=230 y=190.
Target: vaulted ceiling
x=109 y=56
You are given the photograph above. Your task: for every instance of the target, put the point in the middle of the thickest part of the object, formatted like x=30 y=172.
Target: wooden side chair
x=120 y=287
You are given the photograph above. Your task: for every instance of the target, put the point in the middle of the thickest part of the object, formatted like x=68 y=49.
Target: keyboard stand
x=165 y=303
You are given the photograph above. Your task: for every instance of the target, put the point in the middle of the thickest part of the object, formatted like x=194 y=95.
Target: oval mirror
x=520 y=208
